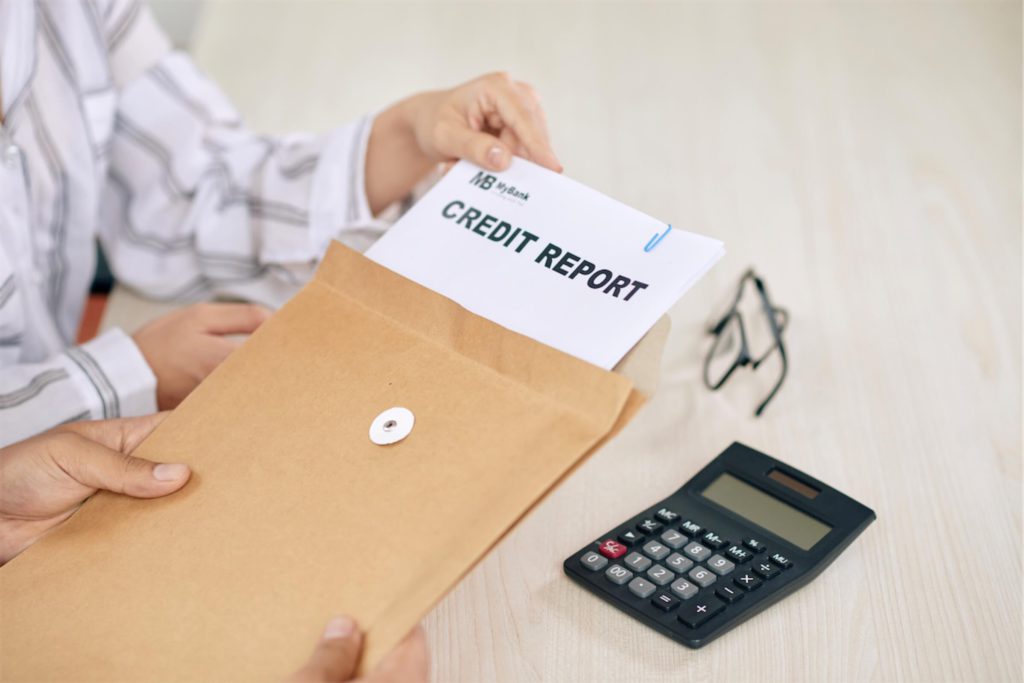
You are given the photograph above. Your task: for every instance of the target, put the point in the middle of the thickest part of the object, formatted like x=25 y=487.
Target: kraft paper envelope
x=293 y=514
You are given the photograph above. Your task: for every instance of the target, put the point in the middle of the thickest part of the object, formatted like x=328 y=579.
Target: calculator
x=742 y=534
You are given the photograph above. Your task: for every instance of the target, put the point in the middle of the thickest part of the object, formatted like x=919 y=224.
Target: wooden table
x=866 y=158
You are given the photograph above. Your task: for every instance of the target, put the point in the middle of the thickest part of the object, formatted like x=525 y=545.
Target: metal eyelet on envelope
x=391 y=426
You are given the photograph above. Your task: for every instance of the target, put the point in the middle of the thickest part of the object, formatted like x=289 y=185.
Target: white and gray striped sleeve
x=197 y=204
x=106 y=377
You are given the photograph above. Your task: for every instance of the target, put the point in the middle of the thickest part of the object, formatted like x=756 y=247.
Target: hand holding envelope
x=293 y=514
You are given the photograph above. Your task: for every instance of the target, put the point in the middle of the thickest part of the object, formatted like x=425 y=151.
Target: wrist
x=397 y=153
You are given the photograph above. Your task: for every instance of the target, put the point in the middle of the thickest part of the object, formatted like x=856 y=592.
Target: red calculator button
x=612 y=549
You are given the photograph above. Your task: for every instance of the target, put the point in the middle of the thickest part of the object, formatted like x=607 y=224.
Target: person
x=45 y=479
x=107 y=133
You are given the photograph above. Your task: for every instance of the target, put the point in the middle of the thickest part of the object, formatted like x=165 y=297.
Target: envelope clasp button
x=391 y=426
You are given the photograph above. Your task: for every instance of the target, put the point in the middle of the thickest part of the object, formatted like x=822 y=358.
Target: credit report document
x=547 y=257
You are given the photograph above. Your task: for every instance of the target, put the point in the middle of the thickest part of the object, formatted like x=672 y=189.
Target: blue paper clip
x=656 y=239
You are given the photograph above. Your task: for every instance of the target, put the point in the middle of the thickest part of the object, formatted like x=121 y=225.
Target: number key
x=593 y=561
x=660 y=575
x=678 y=563
x=683 y=588
x=673 y=539
x=656 y=550
x=618 y=574
x=637 y=561
x=720 y=565
x=696 y=552
x=701 y=576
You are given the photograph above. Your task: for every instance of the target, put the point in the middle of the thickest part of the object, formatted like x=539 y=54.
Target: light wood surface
x=866 y=158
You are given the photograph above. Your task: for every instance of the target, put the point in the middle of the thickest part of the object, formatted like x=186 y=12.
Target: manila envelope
x=292 y=514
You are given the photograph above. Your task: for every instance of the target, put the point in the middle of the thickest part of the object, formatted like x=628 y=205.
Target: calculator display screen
x=782 y=519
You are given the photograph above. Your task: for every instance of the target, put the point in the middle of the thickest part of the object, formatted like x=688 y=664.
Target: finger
x=232 y=318
x=98 y=467
x=457 y=140
x=515 y=114
x=211 y=352
x=509 y=139
x=122 y=435
x=335 y=657
x=407 y=663
x=530 y=95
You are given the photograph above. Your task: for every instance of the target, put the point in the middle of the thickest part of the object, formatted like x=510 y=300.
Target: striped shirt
x=109 y=134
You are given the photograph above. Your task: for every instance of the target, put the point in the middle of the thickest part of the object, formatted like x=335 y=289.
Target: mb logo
x=482 y=180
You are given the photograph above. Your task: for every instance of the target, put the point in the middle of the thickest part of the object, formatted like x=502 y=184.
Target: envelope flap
x=560 y=376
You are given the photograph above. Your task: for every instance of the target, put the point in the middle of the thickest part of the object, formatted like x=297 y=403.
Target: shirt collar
x=17 y=51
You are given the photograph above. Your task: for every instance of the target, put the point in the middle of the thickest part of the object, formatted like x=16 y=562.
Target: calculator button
x=618 y=574
x=673 y=539
x=781 y=560
x=665 y=602
x=748 y=582
x=683 y=588
x=697 y=612
x=656 y=550
x=612 y=549
x=648 y=526
x=666 y=515
x=692 y=528
x=642 y=588
x=739 y=555
x=754 y=545
x=631 y=537
x=766 y=570
x=593 y=561
x=696 y=552
x=713 y=540
x=701 y=576
x=637 y=561
x=720 y=565
x=729 y=593
x=660 y=575
x=678 y=563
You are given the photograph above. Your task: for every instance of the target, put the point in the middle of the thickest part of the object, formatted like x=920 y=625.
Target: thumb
x=96 y=466
x=482 y=149
x=335 y=656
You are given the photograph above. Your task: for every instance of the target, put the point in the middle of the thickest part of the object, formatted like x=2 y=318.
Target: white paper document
x=547 y=257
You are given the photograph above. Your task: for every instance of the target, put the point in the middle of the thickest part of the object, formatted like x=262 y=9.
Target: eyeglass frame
x=743 y=357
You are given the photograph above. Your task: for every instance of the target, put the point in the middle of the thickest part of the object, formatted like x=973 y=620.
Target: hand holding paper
x=546 y=257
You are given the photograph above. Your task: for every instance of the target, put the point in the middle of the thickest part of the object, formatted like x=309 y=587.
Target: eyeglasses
x=731 y=330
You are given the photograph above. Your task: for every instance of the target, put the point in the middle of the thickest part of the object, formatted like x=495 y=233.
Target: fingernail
x=170 y=472
x=339 y=627
x=496 y=157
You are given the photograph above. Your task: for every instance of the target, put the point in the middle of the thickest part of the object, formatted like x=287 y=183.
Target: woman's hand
x=184 y=346
x=336 y=655
x=487 y=121
x=44 y=479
